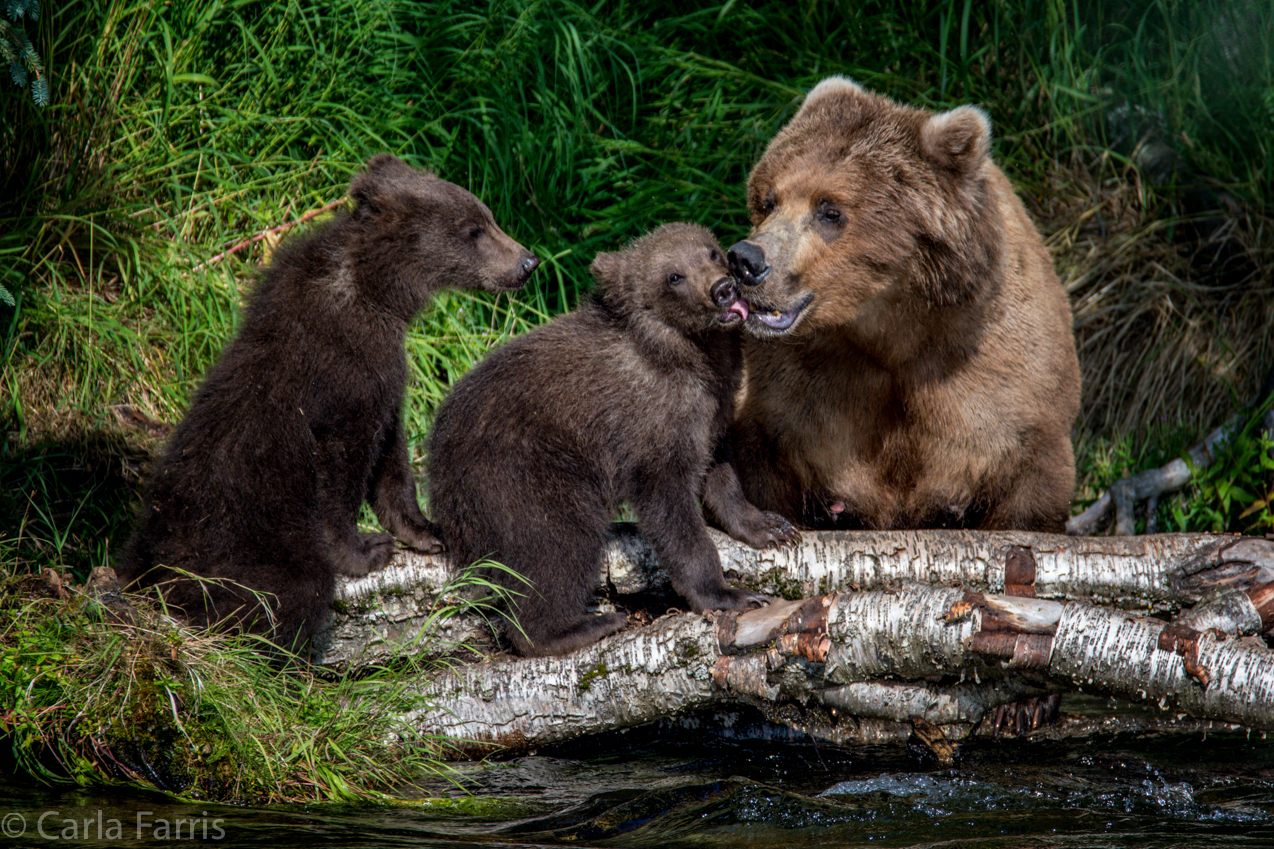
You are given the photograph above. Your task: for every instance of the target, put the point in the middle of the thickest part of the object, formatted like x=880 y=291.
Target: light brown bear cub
x=625 y=399
x=910 y=361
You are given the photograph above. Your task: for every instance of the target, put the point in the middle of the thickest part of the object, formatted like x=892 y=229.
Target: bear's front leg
x=738 y=517
x=672 y=520
x=360 y=553
x=394 y=496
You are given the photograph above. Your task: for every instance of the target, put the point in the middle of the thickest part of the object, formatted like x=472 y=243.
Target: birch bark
x=883 y=632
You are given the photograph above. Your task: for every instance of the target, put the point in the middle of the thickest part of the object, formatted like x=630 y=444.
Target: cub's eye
x=475 y=232
x=714 y=255
x=674 y=279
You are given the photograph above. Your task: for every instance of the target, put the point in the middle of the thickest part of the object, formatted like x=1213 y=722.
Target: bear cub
x=625 y=399
x=299 y=422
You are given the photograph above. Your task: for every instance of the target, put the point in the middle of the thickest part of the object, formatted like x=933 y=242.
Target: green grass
x=94 y=692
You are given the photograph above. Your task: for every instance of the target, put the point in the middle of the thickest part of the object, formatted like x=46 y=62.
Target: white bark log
x=958 y=706
x=1119 y=654
x=892 y=644
x=1161 y=573
x=377 y=615
x=634 y=677
x=879 y=654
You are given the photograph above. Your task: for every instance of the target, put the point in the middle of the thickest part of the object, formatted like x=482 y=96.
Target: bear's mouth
x=736 y=312
x=768 y=320
x=732 y=308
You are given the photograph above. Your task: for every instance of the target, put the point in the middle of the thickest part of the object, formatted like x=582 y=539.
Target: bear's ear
x=606 y=268
x=831 y=87
x=372 y=188
x=958 y=140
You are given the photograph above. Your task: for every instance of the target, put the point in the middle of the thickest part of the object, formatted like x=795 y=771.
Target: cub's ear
x=606 y=268
x=958 y=140
x=372 y=189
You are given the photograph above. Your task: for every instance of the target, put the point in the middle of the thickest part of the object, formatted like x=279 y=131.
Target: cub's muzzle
x=529 y=263
x=725 y=294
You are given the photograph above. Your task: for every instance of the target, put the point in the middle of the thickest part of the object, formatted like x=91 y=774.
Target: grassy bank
x=96 y=688
x=1140 y=135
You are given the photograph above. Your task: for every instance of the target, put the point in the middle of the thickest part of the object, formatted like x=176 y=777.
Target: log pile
x=873 y=636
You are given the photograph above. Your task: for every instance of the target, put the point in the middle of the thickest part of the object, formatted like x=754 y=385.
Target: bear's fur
x=300 y=420
x=624 y=399
x=910 y=361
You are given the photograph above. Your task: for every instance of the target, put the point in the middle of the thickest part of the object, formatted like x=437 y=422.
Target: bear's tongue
x=741 y=307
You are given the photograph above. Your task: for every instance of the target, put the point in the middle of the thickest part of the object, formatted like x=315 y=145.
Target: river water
x=673 y=788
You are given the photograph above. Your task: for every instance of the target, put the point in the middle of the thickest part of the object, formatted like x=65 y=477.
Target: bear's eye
x=767 y=205
x=674 y=279
x=828 y=213
x=475 y=231
x=714 y=255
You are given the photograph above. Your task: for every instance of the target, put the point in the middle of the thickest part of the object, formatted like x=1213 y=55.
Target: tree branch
x=1151 y=485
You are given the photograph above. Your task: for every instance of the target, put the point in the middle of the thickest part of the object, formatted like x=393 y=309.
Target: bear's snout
x=724 y=292
x=530 y=262
x=747 y=263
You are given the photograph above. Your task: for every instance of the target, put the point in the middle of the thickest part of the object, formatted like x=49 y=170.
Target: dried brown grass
x=1158 y=348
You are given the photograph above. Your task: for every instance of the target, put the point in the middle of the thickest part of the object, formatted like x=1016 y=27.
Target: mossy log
x=928 y=631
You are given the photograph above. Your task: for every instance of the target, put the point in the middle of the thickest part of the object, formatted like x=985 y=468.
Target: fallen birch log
x=888 y=633
x=875 y=655
x=378 y=613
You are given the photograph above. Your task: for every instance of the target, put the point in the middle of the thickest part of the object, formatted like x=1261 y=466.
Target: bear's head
x=674 y=276
x=866 y=213
x=428 y=234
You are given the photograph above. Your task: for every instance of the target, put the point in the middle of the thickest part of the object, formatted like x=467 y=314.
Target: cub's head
x=864 y=211
x=431 y=233
x=676 y=275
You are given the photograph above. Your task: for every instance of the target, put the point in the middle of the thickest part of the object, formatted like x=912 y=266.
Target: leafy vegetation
x=98 y=689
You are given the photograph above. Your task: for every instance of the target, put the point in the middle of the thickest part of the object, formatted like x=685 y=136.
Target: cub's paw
x=733 y=598
x=419 y=534
x=370 y=554
x=768 y=530
x=424 y=541
x=565 y=639
x=779 y=531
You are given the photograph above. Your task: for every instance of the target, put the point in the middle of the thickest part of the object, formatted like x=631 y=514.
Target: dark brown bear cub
x=625 y=399
x=300 y=420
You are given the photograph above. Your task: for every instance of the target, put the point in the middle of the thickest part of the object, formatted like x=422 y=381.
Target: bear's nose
x=747 y=263
x=529 y=263
x=723 y=292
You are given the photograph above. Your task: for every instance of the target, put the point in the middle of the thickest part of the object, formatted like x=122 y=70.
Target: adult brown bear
x=910 y=361
x=300 y=420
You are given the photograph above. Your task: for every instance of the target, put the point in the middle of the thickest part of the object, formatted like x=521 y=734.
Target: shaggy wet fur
x=299 y=422
x=624 y=399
